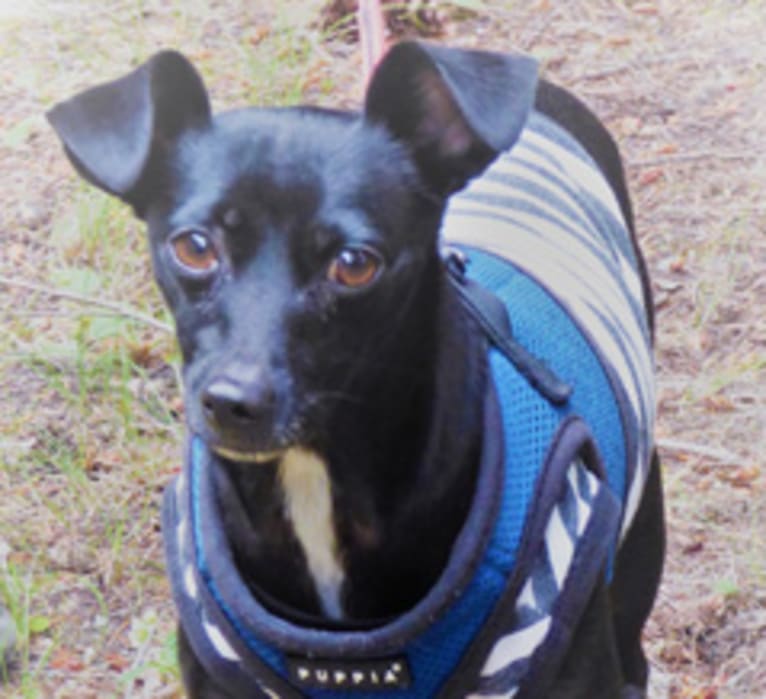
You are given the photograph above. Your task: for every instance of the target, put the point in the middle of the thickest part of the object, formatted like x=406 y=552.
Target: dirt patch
x=91 y=429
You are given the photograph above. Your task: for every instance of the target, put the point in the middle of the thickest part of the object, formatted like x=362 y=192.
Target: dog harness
x=543 y=260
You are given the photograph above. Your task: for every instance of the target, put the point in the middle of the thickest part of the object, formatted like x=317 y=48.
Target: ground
x=91 y=428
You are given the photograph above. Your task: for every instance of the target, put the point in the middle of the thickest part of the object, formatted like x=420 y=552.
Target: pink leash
x=372 y=37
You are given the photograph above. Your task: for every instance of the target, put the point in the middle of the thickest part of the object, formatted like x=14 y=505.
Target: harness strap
x=492 y=316
x=220 y=651
x=562 y=558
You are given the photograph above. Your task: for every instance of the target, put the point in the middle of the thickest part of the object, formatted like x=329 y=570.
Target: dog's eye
x=355 y=267
x=194 y=251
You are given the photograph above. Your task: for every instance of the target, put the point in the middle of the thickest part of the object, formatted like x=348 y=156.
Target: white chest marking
x=308 y=502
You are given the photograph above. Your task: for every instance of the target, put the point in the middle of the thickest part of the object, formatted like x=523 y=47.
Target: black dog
x=340 y=494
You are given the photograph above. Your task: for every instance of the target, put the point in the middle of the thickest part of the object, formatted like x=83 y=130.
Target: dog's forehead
x=289 y=160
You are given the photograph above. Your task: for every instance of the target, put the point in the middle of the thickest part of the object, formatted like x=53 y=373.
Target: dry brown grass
x=90 y=429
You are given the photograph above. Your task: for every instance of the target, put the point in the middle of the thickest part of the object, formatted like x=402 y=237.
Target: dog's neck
x=360 y=526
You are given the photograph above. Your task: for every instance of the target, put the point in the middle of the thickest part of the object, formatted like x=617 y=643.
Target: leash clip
x=456 y=262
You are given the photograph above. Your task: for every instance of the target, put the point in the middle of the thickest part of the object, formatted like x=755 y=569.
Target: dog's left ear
x=455 y=109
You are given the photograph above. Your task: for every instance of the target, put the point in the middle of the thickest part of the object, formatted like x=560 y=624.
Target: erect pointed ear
x=112 y=131
x=455 y=109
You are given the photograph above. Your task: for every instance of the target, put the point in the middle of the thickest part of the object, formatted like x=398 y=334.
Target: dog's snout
x=232 y=404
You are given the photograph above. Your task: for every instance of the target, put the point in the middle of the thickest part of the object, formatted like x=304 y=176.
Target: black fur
x=382 y=381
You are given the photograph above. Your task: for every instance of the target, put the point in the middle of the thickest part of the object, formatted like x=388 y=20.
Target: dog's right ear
x=455 y=109
x=112 y=132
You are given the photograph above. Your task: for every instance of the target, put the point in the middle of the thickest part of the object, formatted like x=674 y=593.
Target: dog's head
x=297 y=248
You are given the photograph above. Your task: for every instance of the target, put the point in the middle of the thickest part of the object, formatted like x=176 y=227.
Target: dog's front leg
x=591 y=668
x=637 y=577
x=197 y=682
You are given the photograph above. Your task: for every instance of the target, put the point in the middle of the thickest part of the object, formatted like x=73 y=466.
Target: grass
x=18 y=593
x=100 y=449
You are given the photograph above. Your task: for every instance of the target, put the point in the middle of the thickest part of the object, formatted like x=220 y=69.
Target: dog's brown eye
x=195 y=251
x=354 y=268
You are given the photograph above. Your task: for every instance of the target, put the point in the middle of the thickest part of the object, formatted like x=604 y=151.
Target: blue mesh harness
x=566 y=444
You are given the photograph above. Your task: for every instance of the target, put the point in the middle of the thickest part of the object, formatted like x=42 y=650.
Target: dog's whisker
x=318 y=397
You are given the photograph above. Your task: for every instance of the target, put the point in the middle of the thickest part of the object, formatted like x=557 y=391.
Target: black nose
x=231 y=404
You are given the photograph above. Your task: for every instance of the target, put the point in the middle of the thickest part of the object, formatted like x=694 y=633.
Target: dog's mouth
x=251 y=457
x=242 y=433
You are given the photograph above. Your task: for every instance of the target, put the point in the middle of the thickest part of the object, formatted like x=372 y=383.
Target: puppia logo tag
x=391 y=673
